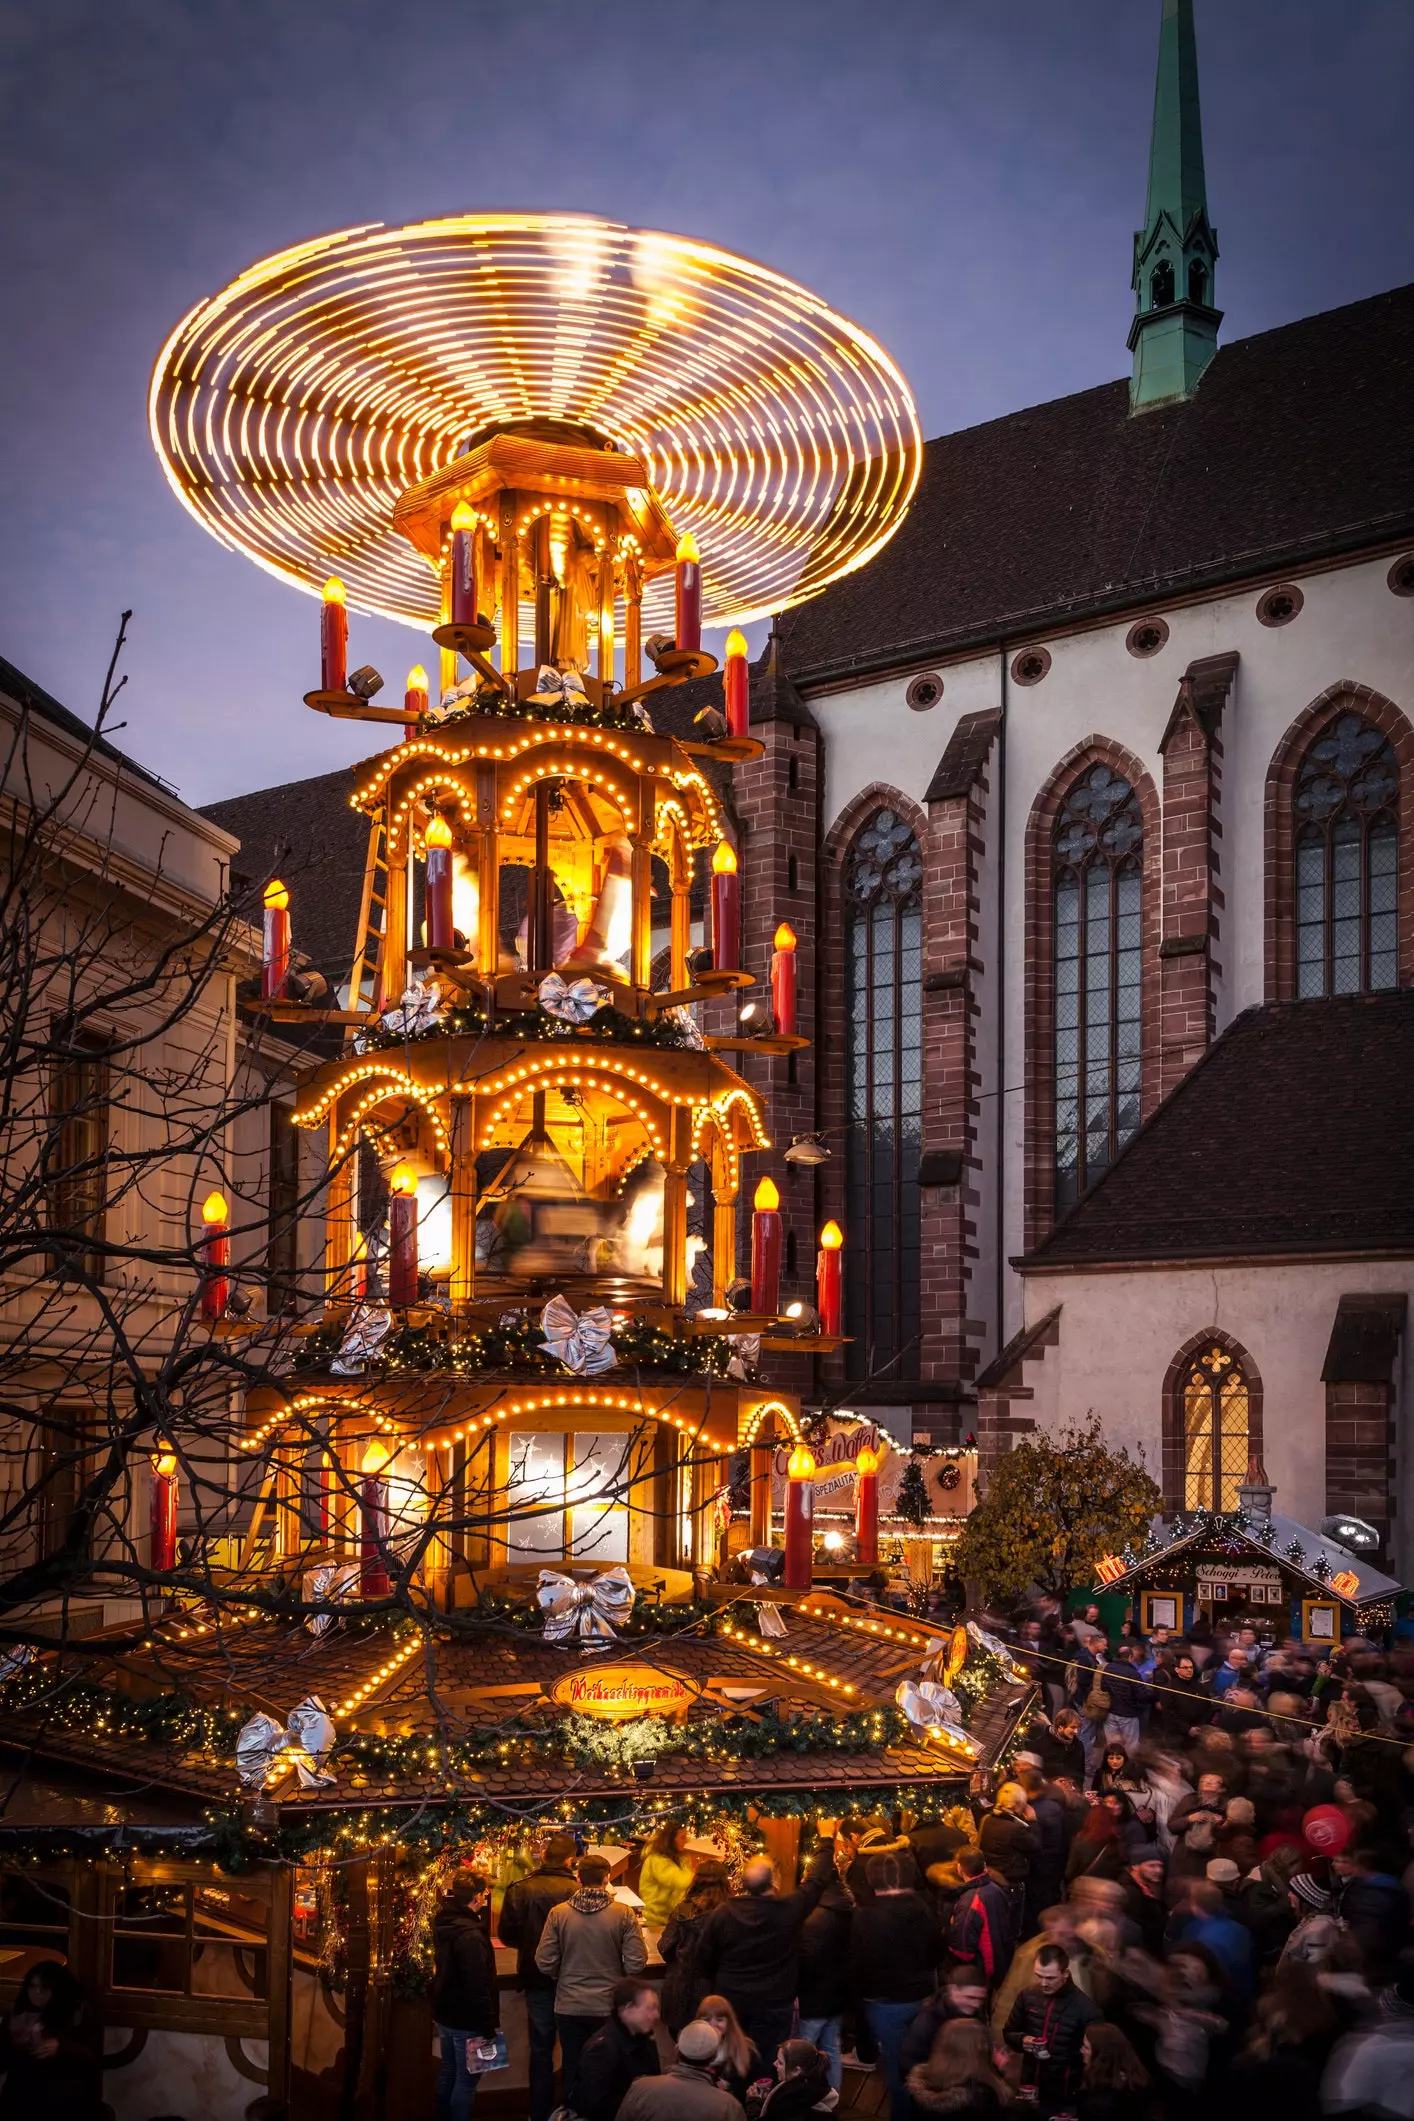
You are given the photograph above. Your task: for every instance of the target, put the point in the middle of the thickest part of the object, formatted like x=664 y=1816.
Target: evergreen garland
x=607 y=1027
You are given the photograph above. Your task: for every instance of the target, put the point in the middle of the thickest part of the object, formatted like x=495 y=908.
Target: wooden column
x=633 y=619
x=463 y=1136
x=338 y=1220
x=488 y=874
x=510 y=588
x=681 y=937
x=763 y=1452
x=641 y=873
x=723 y=1241
x=675 y=1206
x=606 y=597
x=279 y=1976
x=395 y=939
x=437 y=1555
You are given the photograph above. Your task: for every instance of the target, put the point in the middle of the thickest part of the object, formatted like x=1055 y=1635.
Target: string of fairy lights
x=291 y=409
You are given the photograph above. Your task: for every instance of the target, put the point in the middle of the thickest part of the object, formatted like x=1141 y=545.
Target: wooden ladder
x=366 y=978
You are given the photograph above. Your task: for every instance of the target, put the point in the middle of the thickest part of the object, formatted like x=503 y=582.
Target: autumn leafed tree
x=1053 y=1507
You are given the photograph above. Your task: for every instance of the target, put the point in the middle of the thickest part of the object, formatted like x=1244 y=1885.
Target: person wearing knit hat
x=1314 y=1897
x=1314 y=1937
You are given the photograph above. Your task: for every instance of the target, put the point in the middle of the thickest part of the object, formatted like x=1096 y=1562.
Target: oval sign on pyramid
x=292 y=410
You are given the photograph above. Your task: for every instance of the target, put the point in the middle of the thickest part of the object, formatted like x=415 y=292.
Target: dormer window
x=1197 y=280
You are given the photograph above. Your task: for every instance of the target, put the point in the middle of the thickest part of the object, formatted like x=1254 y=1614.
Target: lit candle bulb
x=415 y=699
x=800 y=1519
x=162 y=1512
x=726 y=910
x=402 y=1237
x=767 y=1233
x=438 y=842
x=687 y=600
x=275 y=960
x=828 y=1294
x=334 y=638
x=373 y=1520
x=215 y=1256
x=866 y=1504
x=783 y=979
x=463 y=565
x=736 y=684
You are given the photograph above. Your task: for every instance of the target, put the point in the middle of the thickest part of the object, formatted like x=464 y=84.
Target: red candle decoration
x=373 y=1521
x=866 y=1504
x=162 y=1512
x=767 y=1232
x=438 y=842
x=829 y=1297
x=736 y=684
x=334 y=638
x=402 y=1237
x=275 y=961
x=215 y=1256
x=800 y=1519
x=463 y=565
x=415 y=699
x=687 y=599
x=726 y=910
x=783 y=979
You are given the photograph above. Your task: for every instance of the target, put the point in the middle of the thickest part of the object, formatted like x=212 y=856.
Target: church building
x=1091 y=802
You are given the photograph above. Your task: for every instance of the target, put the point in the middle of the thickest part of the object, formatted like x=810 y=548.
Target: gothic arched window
x=1161 y=285
x=1347 y=861
x=883 y=910
x=1197 y=280
x=1097 y=855
x=1218 y=1426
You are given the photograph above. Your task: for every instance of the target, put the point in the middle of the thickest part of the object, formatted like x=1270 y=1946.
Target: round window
x=1031 y=665
x=1280 y=606
x=1401 y=576
x=1147 y=637
x=924 y=691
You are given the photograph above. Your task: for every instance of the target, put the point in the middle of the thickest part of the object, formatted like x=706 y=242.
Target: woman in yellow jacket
x=665 y=1876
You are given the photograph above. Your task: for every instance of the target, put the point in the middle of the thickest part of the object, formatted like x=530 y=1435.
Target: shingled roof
x=33 y=699
x=1293 y=1135
x=1296 y=446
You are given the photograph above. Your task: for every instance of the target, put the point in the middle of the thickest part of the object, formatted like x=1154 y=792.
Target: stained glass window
x=1099 y=890
x=883 y=895
x=1347 y=861
x=1217 y=1431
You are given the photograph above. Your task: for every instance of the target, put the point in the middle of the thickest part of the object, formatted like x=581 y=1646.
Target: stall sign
x=1257 y=1580
x=616 y=1693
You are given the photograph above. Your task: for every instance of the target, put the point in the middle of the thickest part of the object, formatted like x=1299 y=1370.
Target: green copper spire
x=1175 y=330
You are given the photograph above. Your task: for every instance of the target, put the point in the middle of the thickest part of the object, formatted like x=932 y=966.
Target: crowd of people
x=1189 y=1893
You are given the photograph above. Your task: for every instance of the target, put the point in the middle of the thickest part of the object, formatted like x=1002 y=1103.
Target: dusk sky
x=961 y=176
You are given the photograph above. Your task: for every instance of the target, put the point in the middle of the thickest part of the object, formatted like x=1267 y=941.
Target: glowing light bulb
x=723 y=860
x=785 y=936
x=438 y=833
x=277 y=897
x=214 y=1209
x=417 y=679
x=831 y=1237
x=687 y=550
x=403 y=1180
x=334 y=591
x=866 y=1460
x=463 y=516
x=801 y=1463
x=767 y=1198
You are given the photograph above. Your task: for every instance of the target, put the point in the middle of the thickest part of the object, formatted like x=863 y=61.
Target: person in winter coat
x=1115 y=2084
x=1194 y=1824
x=751 y=1948
x=1375 y=1908
x=737 y=2064
x=524 y=1913
x=589 y=1942
x=1098 y=1850
x=1046 y=1878
x=1061 y=1753
x=982 y=1931
x=824 y=1992
x=1047 y=2029
x=685 y=2091
x=465 y=2003
x=1180 y=1702
x=803 y=2085
x=49 y=2069
x=894 y=1949
x=683 y=1988
x=1008 y=1837
x=878 y=1841
x=962 y=1995
x=960 y=2078
x=622 y=2051
x=664 y=1876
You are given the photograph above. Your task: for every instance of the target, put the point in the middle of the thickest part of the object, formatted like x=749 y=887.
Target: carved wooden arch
x=1279 y=910
x=1173 y=1425
x=1039 y=1057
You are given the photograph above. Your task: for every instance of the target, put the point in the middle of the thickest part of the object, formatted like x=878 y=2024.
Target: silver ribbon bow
x=368 y=1329
x=332 y=1583
x=584 y=1612
x=687 y=1023
x=746 y=1353
x=579 y=1340
x=309 y=1740
x=930 y=1707
x=573 y=1001
x=15 y=1659
x=423 y=1004
x=259 y=1745
x=770 y=1619
x=568 y=685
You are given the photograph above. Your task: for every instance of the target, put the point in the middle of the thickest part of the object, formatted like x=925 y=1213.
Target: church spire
x=1175 y=330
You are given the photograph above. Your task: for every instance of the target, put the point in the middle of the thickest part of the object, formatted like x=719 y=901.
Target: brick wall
x=1192 y=766
x=1359 y=1451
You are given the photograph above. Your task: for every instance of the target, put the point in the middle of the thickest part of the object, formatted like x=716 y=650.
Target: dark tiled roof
x=964 y=755
x=1294 y=1134
x=1364 y=1340
x=1297 y=444
x=305 y=832
x=25 y=693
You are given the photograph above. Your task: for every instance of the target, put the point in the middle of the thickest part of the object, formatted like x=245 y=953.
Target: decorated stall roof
x=1320 y=1565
